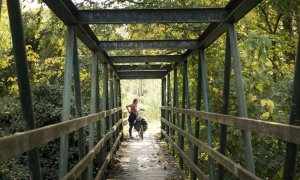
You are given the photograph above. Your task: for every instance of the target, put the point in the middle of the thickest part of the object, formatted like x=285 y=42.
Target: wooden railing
x=14 y=145
x=288 y=133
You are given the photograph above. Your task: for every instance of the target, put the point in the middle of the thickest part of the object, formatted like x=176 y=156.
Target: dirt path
x=145 y=159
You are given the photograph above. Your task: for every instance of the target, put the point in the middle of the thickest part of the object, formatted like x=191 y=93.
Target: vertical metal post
x=115 y=103
x=168 y=113
x=105 y=98
x=120 y=104
x=206 y=108
x=111 y=97
x=239 y=84
x=198 y=106
x=78 y=108
x=226 y=94
x=93 y=108
x=105 y=93
x=187 y=106
x=163 y=102
x=16 y=27
x=291 y=149
x=64 y=140
x=175 y=104
x=100 y=126
x=182 y=123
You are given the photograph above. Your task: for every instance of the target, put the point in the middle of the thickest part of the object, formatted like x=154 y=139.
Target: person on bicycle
x=133 y=115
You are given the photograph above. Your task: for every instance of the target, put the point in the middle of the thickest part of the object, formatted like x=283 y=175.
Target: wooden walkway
x=145 y=159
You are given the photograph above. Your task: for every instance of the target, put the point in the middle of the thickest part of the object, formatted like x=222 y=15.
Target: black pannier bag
x=139 y=122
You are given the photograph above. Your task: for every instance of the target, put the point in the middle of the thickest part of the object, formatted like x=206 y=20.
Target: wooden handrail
x=226 y=162
x=108 y=158
x=75 y=172
x=11 y=146
x=193 y=166
x=288 y=133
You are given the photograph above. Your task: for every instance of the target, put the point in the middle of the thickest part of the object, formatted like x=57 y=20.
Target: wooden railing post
x=291 y=149
x=16 y=27
x=206 y=108
x=239 y=85
x=226 y=94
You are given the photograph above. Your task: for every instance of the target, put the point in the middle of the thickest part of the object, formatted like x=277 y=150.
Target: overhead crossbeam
x=65 y=10
x=122 y=68
x=146 y=59
x=134 y=16
x=142 y=75
x=148 y=44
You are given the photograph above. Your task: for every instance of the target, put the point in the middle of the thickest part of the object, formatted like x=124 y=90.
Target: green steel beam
x=135 y=16
x=168 y=113
x=291 y=149
x=198 y=107
x=206 y=108
x=142 y=73
x=120 y=68
x=146 y=59
x=187 y=106
x=111 y=103
x=93 y=108
x=175 y=116
x=65 y=10
x=17 y=32
x=148 y=44
x=64 y=140
x=105 y=104
x=239 y=85
x=225 y=108
x=78 y=108
x=163 y=102
x=182 y=122
x=140 y=77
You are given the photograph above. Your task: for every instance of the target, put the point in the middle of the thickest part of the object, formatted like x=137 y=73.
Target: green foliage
x=267 y=42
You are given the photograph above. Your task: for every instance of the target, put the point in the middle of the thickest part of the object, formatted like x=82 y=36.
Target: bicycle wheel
x=141 y=132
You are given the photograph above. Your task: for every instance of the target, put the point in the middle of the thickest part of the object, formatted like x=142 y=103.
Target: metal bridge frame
x=107 y=122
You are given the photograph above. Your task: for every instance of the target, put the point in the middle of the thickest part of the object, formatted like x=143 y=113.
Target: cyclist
x=133 y=114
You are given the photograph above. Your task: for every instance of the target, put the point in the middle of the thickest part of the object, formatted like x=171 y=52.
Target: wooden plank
x=75 y=172
x=11 y=146
x=289 y=133
x=234 y=168
x=192 y=165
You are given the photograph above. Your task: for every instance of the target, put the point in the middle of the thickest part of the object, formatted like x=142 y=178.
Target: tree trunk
x=288 y=27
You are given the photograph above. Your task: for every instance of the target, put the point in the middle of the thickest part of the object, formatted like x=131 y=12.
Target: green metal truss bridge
x=108 y=121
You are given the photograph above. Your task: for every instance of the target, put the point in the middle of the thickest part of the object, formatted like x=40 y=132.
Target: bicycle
x=140 y=125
